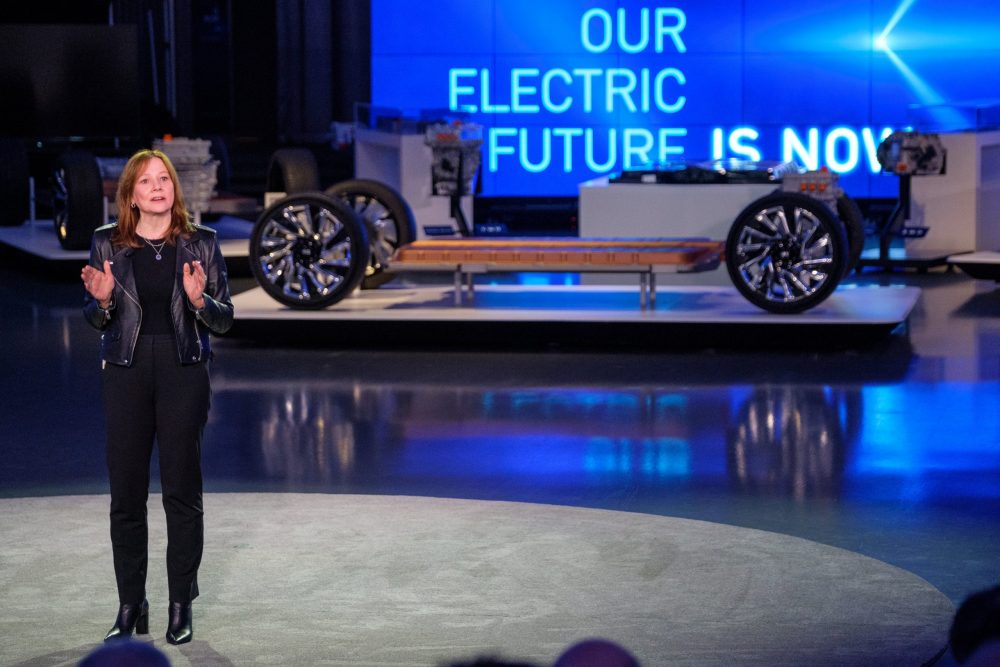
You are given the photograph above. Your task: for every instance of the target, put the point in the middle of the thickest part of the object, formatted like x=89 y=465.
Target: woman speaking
x=156 y=286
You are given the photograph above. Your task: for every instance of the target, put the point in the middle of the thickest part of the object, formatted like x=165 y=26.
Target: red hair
x=128 y=216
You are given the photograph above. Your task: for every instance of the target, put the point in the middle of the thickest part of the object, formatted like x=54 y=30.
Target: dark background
x=259 y=74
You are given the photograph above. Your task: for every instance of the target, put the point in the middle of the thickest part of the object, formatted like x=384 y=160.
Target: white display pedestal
x=403 y=162
x=962 y=206
x=638 y=210
x=651 y=210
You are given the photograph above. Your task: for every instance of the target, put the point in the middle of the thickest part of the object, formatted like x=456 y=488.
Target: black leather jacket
x=120 y=322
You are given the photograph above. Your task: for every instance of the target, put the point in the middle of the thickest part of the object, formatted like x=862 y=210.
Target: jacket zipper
x=197 y=334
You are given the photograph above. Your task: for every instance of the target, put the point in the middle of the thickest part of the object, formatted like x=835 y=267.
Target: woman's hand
x=100 y=284
x=194 y=284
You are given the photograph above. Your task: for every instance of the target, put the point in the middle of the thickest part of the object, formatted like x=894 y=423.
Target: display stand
x=896 y=227
x=391 y=148
x=456 y=163
x=907 y=154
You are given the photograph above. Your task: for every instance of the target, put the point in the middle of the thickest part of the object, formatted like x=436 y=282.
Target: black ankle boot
x=180 y=631
x=131 y=618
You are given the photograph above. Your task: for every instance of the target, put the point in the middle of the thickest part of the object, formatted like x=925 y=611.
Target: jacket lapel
x=121 y=269
x=184 y=254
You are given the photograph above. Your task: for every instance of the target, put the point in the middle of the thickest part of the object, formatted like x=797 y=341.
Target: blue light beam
x=948 y=117
x=882 y=41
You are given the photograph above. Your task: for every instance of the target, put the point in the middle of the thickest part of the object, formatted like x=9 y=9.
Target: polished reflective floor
x=892 y=451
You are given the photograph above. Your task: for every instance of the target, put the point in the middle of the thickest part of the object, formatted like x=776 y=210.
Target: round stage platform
x=306 y=579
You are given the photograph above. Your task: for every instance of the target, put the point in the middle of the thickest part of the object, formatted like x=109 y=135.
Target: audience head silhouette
x=975 y=631
x=491 y=662
x=596 y=653
x=125 y=654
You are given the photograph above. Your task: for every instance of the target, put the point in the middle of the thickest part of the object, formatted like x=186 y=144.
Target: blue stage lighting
x=944 y=115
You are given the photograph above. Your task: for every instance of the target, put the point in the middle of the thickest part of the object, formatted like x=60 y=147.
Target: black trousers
x=156 y=399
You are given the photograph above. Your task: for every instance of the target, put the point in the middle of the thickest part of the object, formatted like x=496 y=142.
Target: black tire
x=14 y=190
x=854 y=227
x=308 y=251
x=292 y=171
x=786 y=252
x=388 y=221
x=77 y=199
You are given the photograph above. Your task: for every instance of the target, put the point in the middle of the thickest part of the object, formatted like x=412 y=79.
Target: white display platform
x=983 y=265
x=683 y=315
x=38 y=239
x=984 y=257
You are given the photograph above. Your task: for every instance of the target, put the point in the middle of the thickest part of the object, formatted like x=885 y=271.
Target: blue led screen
x=567 y=89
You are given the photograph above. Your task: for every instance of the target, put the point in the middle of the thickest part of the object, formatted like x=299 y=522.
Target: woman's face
x=154 y=191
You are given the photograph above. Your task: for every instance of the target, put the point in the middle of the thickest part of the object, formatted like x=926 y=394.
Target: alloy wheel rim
x=784 y=253
x=305 y=251
x=383 y=238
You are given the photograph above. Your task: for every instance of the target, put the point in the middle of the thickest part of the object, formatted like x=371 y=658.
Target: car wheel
x=77 y=199
x=388 y=221
x=292 y=171
x=308 y=251
x=786 y=252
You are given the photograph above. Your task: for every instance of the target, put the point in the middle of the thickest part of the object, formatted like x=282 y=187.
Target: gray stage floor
x=386 y=581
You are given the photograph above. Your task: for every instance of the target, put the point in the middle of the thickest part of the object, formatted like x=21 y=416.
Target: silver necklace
x=157 y=247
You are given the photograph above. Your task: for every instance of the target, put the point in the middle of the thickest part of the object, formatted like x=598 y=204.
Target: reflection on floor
x=892 y=451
